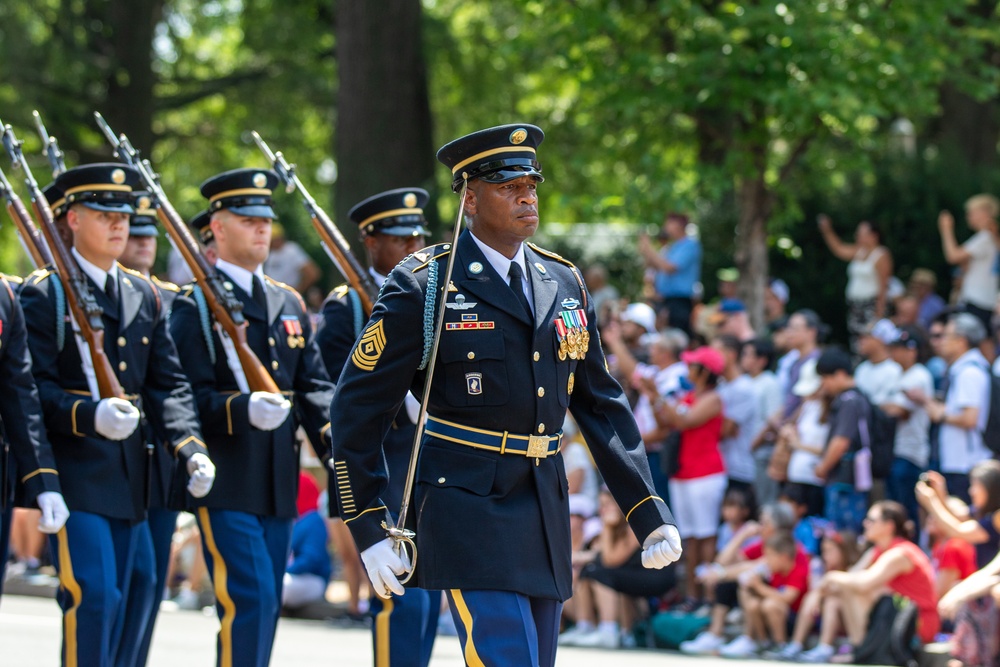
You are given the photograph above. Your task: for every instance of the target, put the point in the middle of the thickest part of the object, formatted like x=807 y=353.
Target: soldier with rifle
x=102 y=359
x=33 y=465
x=250 y=419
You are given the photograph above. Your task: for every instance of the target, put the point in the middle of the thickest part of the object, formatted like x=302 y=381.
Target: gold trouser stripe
x=71 y=586
x=472 y=658
x=219 y=577
x=382 y=634
x=641 y=502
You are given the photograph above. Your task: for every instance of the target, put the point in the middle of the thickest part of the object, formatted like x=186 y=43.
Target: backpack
x=878 y=433
x=991 y=435
x=893 y=617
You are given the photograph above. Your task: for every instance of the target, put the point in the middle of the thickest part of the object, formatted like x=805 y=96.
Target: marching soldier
x=149 y=578
x=492 y=519
x=96 y=443
x=246 y=521
x=391 y=226
x=23 y=432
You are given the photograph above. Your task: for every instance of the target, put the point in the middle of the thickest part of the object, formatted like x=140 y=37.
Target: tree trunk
x=754 y=203
x=383 y=135
x=969 y=126
x=130 y=102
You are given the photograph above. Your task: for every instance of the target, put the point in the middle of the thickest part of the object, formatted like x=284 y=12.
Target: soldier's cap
x=103 y=186
x=242 y=191
x=143 y=221
x=201 y=224
x=56 y=199
x=496 y=155
x=398 y=212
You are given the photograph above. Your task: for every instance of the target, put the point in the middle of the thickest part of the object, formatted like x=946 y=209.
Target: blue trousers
x=505 y=629
x=142 y=598
x=161 y=525
x=94 y=557
x=901 y=484
x=5 y=516
x=404 y=628
x=246 y=556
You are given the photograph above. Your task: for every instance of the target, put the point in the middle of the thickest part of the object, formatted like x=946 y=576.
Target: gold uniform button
x=145 y=340
x=274 y=365
x=472 y=355
x=541 y=392
x=441 y=480
x=536 y=356
x=122 y=366
x=270 y=341
x=541 y=428
x=121 y=341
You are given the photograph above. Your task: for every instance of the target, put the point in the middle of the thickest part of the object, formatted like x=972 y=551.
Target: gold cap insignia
x=259 y=180
x=369 y=347
x=409 y=200
x=118 y=176
x=144 y=202
x=518 y=136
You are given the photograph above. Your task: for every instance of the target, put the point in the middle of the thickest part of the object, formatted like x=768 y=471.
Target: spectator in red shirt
x=769 y=595
x=953 y=558
x=893 y=565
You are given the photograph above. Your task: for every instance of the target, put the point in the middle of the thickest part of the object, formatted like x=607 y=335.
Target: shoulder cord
x=203 y=318
x=60 y=297
x=430 y=301
x=355 y=300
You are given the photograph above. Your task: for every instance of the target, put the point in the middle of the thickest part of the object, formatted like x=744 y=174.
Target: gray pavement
x=30 y=636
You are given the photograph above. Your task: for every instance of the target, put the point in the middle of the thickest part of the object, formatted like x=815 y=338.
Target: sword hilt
x=401 y=537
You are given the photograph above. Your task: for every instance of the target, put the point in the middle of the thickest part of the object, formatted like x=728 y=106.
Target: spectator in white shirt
x=878 y=375
x=978 y=254
x=756 y=360
x=741 y=420
x=966 y=407
x=912 y=447
x=288 y=263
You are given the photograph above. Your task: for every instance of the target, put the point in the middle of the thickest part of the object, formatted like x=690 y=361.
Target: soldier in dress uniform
x=33 y=467
x=491 y=499
x=165 y=499
x=391 y=225
x=246 y=521
x=97 y=446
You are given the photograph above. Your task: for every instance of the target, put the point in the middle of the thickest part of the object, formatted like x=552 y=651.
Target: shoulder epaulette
x=17 y=280
x=340 y=291
x=142 y=276
x=289 y=288
x=38 y=275
x=165 y=284
x=571 y=265
x=429 y=254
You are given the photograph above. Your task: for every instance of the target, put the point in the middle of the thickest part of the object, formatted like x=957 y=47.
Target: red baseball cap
x=707 y=357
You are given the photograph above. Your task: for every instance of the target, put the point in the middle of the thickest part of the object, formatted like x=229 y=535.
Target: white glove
x=662 y=547
x=268 y=411
x=54 y=512
x=383 y=563
x=201 y=471
x=116 y=418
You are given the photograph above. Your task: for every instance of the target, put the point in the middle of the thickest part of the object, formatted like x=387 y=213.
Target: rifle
x=31 y=238
x=52 y=151
x=333 y=241
x=82 y=305
x=227 y=309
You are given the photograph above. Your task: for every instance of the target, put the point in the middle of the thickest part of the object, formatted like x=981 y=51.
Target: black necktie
x=111 y=289
x=258 y=294
x=516 y=276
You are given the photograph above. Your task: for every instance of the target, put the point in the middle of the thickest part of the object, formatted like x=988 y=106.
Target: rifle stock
x=225 y=307
x=81 y=302
x=333 y=240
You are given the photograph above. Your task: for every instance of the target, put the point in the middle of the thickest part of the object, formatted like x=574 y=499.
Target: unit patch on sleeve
x=369 y=347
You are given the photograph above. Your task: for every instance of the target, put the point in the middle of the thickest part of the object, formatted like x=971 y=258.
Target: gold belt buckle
x=538 y=447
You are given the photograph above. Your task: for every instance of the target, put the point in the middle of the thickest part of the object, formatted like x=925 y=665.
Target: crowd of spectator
x=818 y=488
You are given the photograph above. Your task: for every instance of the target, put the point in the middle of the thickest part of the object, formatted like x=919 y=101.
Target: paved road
x=29 y=637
